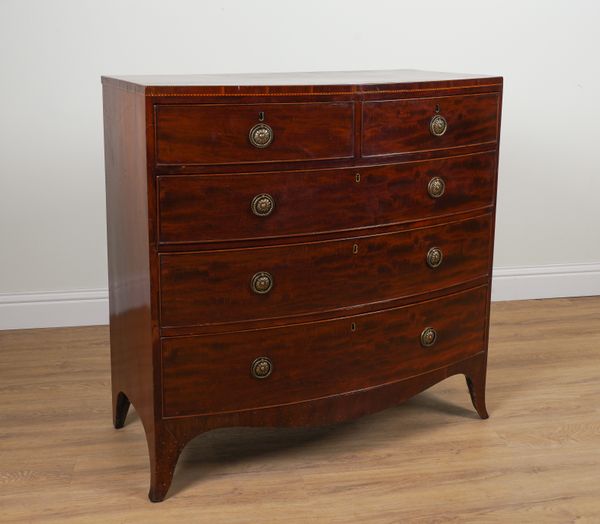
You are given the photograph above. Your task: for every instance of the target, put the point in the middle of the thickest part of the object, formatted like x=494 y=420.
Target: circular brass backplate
x=262 y=367
x=261 y=135
x=436 y=187
x=438 y=125
x=434 y=257
x=261 y=282
x=428 y=337
x=262 y=205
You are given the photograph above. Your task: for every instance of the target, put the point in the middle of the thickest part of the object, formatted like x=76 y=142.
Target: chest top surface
x=297 y=78
x=353 y=81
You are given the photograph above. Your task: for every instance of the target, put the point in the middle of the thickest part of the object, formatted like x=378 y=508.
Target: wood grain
x=214 y=287
x=402 y=126
x=310 y=84
x=319 y=359
x=128 y=256
x=198 y=208
x=218 y=134
x=428 y=460
x=153 y=134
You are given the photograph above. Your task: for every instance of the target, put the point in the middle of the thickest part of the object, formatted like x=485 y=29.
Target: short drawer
x=249 y=133
x=205 y=208
x=234 y=285
x=424 y=124
x=268 y=367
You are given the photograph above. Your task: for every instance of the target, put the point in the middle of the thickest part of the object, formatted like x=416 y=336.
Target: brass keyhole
x=355 y=249
x=353 y=326
x=437 y=108
x=357 y=177
x=261 y=116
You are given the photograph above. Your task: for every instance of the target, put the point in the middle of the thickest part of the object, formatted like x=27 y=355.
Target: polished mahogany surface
x=402 y=126
x=295 y=249
x=214 y=286
x=319 y=359
x=314 y=79
x=198 y=208
x=218 y=134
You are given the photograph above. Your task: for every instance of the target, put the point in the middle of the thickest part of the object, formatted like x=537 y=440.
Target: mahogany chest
x=295 y=249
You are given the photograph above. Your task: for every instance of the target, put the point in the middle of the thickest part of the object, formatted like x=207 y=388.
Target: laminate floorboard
x=537 y=459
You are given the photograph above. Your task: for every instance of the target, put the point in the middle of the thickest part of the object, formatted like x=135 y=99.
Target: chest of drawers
x=295 y=249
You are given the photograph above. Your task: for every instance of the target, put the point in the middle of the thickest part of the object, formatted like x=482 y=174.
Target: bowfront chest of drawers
x=295 y=249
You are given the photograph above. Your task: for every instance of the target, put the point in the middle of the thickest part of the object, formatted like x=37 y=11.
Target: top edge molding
x=301 y=84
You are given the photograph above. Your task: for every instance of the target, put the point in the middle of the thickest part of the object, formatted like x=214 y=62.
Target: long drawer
x=212 y=287
x=426 y=124
x=266 y=367
x=201 y=208
x=217 y=134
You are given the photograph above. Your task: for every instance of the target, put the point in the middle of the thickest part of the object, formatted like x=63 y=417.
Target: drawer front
x=221 y=134
x=201 y=208
x=214 y=373
x=405 y=126
x=216 y=286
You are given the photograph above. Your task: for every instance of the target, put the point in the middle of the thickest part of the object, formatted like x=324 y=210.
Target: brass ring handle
x=262 y=205
x=428 y=337
x=262 y=367
x=434 y=257
x=436 y=187
x=261 y=283
x=261 y=135
x=438 y=125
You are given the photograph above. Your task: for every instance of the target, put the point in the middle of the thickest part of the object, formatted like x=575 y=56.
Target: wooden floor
x=537 y=459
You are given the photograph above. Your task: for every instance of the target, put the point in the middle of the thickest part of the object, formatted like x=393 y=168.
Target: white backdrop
x=52 y=53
